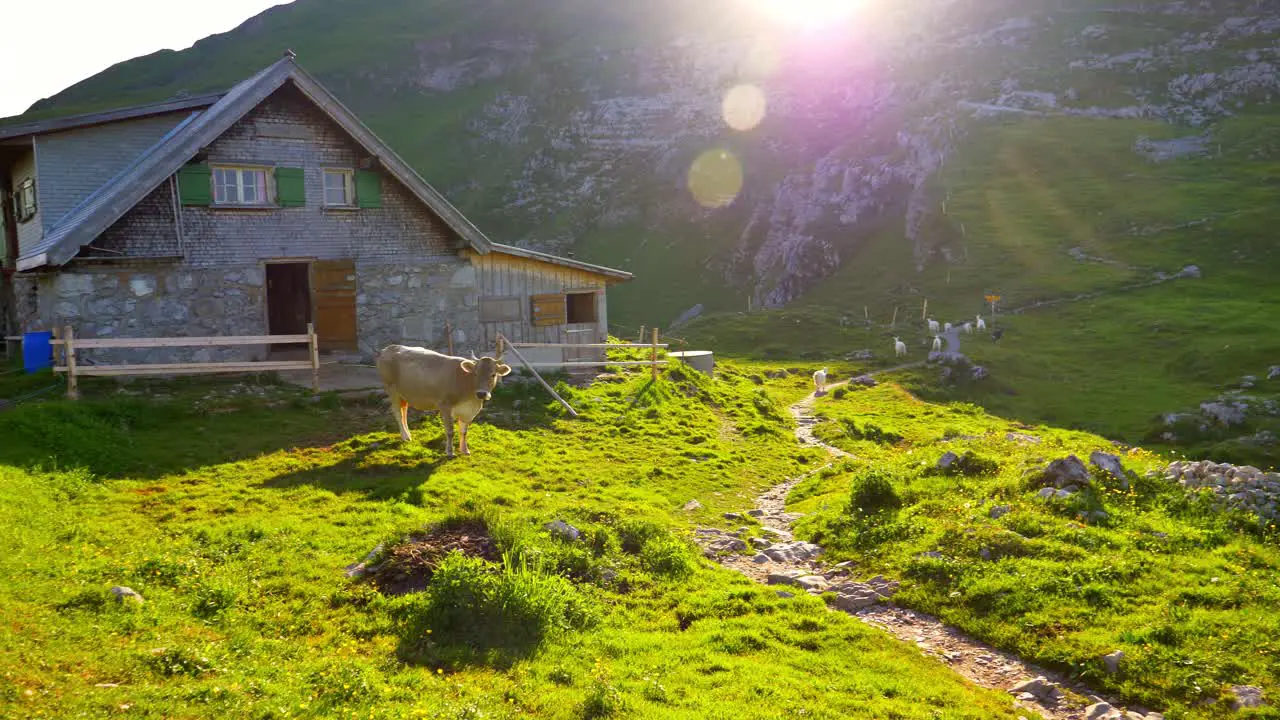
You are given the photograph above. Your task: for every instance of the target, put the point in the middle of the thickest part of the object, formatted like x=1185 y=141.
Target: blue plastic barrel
x=37 y=351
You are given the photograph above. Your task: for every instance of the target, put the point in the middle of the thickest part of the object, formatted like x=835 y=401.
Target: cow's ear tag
x=468 y=366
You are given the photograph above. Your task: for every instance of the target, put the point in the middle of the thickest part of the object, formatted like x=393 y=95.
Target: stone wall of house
x=395 y=303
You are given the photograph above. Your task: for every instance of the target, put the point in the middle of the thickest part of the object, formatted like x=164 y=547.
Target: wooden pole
x=57 y=348
x=866 y=314
x=924 y=312
x=313 y=344
x=554 y=394
x=653 y=358
x=894 y=321
x=73 y=389
x=641 y=338
x=448 y=331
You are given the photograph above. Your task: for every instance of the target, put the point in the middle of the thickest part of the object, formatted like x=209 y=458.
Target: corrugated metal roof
x=70 y=122
x=563 y=261
x=110 y=202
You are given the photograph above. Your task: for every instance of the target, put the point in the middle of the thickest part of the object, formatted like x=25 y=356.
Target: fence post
x=314 y=346
x=894 y=321
x=924 y=313
x=653 y=358
x=73 y=390
x=641 y=339
x=448 y=333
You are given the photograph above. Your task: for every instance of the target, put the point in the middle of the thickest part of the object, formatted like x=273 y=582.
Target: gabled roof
x=116 y=197
x=71 y=122
x=562 y=261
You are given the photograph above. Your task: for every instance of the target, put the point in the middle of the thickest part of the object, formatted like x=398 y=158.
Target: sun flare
x=812 y=14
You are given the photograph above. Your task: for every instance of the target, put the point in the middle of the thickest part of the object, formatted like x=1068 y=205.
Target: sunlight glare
x=715 y=178
x=808 y=14
x=744 y=107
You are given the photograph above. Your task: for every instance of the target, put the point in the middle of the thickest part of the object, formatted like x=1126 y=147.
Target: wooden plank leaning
x=503 y=341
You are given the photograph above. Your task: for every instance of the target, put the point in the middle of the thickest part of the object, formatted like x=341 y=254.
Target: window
x=240 y=186
x=24 y=200
x=581 y=307
x=339 y=188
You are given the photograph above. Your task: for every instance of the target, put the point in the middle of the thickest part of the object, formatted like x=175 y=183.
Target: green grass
x=1189 y=594
x=235 y=513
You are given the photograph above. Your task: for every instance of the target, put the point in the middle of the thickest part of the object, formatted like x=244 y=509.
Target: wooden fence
x=68 y=346
x=653 y=361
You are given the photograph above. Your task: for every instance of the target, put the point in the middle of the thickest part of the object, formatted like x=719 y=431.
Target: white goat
x=937 y=344
x=933 y=325
x=899 y=347
x=982 y=324
x=820 y=380
x=946 y=328
x=968 y=328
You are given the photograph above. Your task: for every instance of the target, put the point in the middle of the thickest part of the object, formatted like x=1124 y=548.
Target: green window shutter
x=368 y=189
x=290 y=189
x=195 y=184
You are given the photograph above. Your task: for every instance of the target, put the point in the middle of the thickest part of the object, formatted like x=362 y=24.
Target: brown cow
x=428 y=380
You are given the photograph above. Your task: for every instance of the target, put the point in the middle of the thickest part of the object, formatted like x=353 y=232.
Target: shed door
x=333 y=285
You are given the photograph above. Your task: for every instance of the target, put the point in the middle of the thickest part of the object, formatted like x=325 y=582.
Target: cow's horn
x=473 y=356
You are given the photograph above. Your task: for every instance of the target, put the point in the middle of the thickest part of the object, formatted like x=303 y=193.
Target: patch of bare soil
x=408 y=566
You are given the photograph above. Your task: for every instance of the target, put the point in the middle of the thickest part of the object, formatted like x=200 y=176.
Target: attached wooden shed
x=532 y=297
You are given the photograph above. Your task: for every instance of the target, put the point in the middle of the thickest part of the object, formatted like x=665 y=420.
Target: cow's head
x=484 y=372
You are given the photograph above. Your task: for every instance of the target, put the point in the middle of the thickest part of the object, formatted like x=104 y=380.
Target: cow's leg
x=446 y=415
x=463 y=425
x=400 y=408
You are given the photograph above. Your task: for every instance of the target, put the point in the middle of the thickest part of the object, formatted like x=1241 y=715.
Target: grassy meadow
x=234 y=509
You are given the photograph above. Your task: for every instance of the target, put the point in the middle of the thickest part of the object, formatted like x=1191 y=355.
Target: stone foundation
x=394 y=304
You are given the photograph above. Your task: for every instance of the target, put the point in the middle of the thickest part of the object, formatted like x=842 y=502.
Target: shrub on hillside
x=480 y=606
x=873 y=493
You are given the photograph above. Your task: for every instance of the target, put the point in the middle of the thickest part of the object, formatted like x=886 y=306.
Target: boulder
x=1065 y=471
x=732 y=516
x=1112 y=661
x=1109 y=464
x=947 y=460
x=1274 y=372
x=812 y=583
x=853 y=602
x=1246 y=696
x=126 y=595
x=999 y=511
x=760 y=543
x=756 y=513
x=760 y=558
x=563 y=530
x=1102 y=711
x=783 y=577
x=864 y=381
x=1039 y=687
x=692 y=505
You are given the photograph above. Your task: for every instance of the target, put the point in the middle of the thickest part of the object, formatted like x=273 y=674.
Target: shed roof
x=562 y=261
x=71 y=122
x=110 y=202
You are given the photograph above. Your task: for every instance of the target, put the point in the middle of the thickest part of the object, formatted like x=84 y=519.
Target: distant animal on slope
x=899 y=347
x=933 y=326
x=428 y=380
x=820 y=380
x=947 y=327
x=937 y=344
x=997 y=335
x=968 y=328
x=982 y=324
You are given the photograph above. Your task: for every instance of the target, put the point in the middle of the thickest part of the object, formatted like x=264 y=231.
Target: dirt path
x=793 y=566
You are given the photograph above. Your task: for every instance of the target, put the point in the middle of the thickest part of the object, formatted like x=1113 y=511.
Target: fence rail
x=69 y=346
x=652 y=362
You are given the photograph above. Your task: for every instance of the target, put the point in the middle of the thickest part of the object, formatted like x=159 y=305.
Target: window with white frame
x=241 y=186
x=24 y=200
x=339 y=188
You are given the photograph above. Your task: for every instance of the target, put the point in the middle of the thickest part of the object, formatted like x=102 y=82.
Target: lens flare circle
x=744 y=107
x=715 y=178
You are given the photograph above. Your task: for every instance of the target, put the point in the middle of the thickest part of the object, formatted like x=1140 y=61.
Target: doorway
x=288 y=301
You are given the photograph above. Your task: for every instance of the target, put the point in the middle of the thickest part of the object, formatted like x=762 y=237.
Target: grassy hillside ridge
x=237 y=541
x=1186 y=592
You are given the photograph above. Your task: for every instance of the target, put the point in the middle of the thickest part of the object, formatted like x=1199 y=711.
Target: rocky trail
x=794 y=567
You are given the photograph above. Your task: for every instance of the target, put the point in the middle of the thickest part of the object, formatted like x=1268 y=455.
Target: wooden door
x=333 y=285
x=288 y=300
